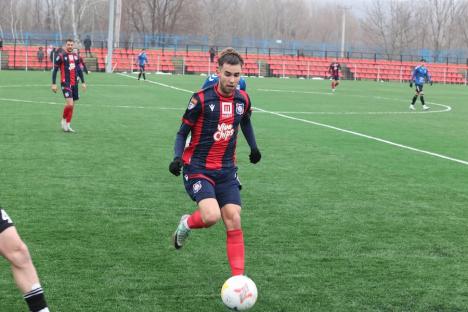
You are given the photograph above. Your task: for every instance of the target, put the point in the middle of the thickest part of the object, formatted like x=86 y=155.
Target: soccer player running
x=334 y=71
x=419 y=77
x=16 y=252
x=209 y=166
x=142 y=60
x=70 y=69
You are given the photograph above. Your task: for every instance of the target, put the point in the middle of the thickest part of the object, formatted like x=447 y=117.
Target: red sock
x=235 y=251
x=70 y=113
x=333 y=85
x=195 y=221
x=66 y=111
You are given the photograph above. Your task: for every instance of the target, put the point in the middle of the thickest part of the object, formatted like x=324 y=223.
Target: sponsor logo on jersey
x=224 y=132
x=226 y=109
x=239 y=108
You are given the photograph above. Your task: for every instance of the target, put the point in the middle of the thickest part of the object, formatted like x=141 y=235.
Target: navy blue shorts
x=142 y=68
x=223 y=185
x=5 y=221
x=70 y=92
x=336 y=77
x=419 y=88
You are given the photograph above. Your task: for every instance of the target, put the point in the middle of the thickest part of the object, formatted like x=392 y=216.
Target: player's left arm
x=80 y=74
x=247 y=130
x=83 y=65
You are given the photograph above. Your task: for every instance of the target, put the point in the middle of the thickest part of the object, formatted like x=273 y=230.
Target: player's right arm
x=413 y=77
x=191 y=115
x=58 y=60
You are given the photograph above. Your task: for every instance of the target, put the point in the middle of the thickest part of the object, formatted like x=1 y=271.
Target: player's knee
x=211 y=216
x=19 y=255
x=234 y=221
x=232 y=217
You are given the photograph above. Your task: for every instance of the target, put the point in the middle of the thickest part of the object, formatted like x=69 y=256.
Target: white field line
x=89 y=105
x=159 y=84
x=48 y=85
x=463 y=162
x=445 y=108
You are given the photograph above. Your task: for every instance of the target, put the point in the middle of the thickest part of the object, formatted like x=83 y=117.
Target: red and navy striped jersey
x=334 y=69
x=214 y=122
x=70 y=69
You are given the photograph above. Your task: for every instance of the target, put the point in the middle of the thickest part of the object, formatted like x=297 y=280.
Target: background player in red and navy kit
x=70 y=69
x=334 y=71
x=213 y=117
x=24 y=272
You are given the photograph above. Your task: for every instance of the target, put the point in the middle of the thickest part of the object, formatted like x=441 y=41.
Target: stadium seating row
x=275 y=65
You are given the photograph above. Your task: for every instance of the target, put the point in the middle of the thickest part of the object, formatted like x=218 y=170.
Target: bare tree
x=390 y=25
x=462 y=22
x=163 y=15
x=441 y=15
x=212 y=17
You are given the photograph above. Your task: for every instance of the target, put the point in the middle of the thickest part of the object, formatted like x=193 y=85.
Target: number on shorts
x=5 y=216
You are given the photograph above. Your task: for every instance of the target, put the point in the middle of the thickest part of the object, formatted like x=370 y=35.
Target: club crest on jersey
x=224 y=132
x=239 y=108
x=226 y=109
x=197 y=187
x=212 y=106
x=193 y=102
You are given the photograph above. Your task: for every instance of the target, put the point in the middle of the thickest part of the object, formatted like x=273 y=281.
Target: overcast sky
x=357 y=6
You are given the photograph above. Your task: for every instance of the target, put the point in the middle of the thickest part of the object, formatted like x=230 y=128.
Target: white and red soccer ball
x=239 y=293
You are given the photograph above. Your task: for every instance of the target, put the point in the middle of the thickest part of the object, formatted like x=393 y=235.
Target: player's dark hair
x=230 y=56
x=69 y=39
